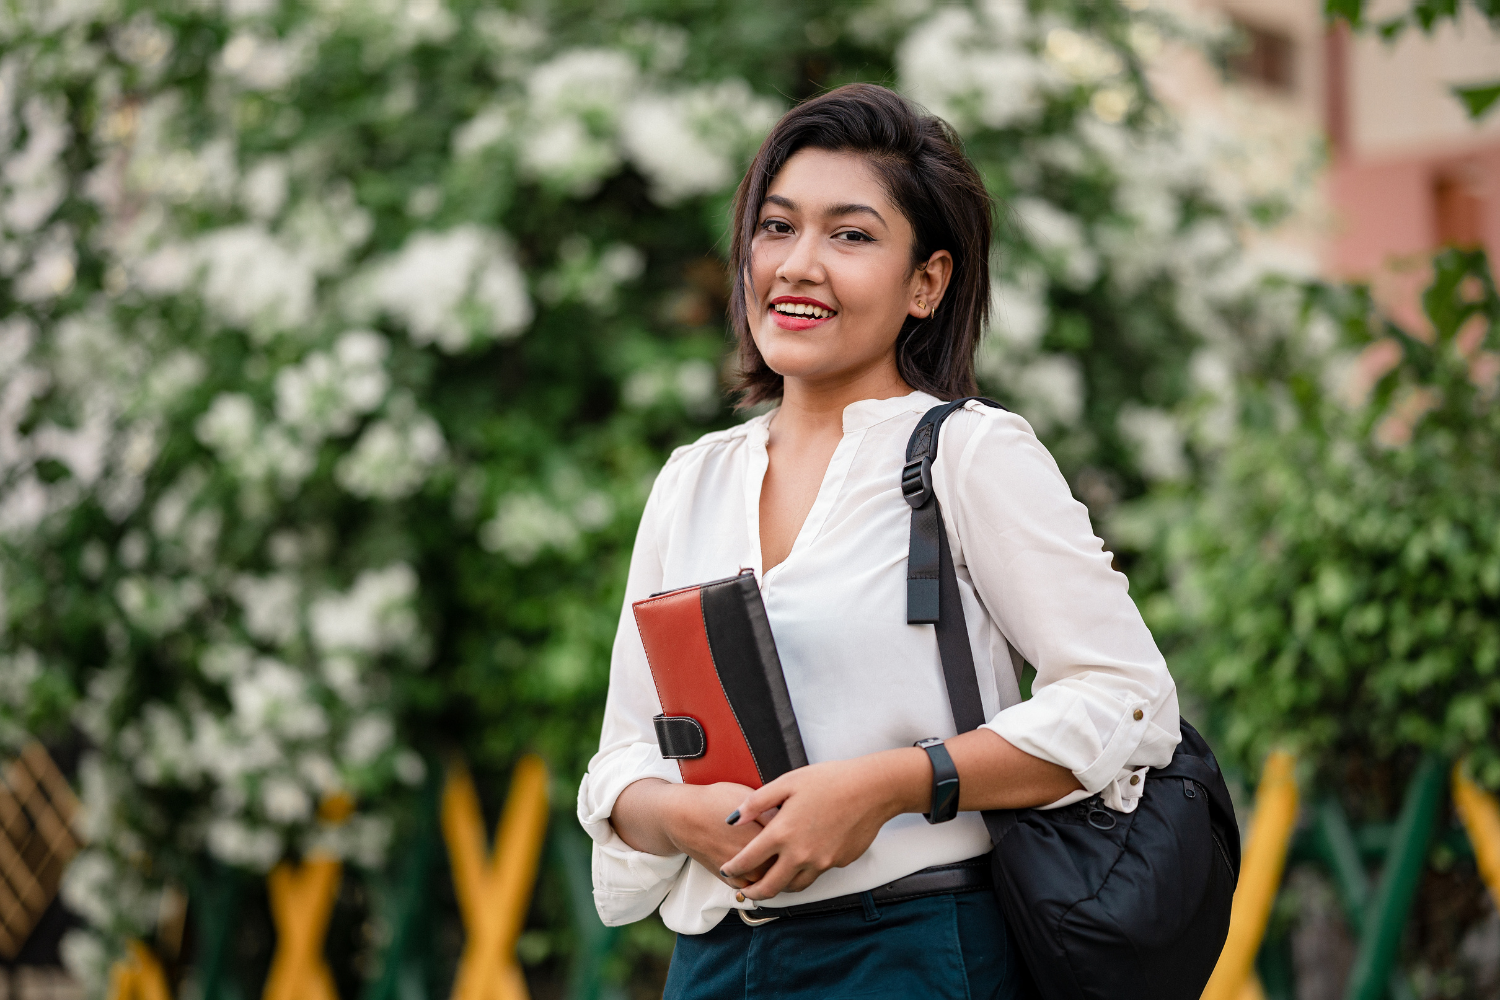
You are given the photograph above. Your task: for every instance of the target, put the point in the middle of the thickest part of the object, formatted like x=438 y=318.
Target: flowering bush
x=1335 y=587
x=341 y=342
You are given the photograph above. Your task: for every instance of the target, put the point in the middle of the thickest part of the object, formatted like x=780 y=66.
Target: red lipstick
x=804 y=321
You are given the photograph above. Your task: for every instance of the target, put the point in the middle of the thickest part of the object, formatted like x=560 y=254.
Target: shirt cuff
x=628 y=884
x=1074 y=725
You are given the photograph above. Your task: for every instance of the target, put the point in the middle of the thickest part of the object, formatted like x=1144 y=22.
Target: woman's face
x=830 y=278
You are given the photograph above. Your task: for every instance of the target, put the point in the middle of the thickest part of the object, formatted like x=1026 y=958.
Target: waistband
x=961 y=876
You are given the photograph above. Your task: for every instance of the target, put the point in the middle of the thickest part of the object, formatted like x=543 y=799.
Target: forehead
x=815 y=178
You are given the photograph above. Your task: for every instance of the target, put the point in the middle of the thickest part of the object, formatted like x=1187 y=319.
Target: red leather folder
x=726 y=714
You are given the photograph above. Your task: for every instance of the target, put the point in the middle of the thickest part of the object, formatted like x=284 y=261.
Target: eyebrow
x=833 y=211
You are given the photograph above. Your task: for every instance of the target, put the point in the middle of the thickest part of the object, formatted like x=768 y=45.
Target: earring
x=922 y=304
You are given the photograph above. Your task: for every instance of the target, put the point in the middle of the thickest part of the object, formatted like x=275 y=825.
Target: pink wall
x=1387 y=208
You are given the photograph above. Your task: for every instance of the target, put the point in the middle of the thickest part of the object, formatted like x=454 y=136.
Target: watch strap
x=944 y=782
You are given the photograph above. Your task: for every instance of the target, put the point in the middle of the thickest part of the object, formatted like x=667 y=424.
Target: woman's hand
x=828 y=814
x=660 y=817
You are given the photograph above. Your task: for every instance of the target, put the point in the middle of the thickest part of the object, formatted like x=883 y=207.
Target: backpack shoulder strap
x=932 y=596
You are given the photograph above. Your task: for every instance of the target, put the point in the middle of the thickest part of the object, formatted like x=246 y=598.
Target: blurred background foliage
x=341 y=342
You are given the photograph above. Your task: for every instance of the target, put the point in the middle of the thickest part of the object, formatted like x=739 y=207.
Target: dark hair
x=931 y=181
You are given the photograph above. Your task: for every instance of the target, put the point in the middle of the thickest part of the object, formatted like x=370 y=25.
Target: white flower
x=264 y=188
x=261 y=63
x=410 y=767
x=223 y=662
x=271 y=606
x=230 y=425
x=284 y=800
x=688 y=143
x=252 y=281
x=1157 y=440
x=489 y=126
x=1018 y=310
x=328 y=392
x=53 y=269
x=563 y=152
x=1080 y=56
x=588 y=82
x=157 y=605
x=367 y=739
x=33 y=184
x=236 y=843
x=274 y=696
x=1061 y=239
x=953 y=66
x=524 y=525
x=83 y=450
x=1051 y=390
x=698 y=386
x=435 y=276
x=375 y=616
x=391 y=461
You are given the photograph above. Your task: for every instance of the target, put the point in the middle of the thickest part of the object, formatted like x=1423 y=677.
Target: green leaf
x=1350 y=10
x=1429 y=12
x=1479 y=99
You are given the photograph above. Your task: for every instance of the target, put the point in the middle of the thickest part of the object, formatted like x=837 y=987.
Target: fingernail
x=724 y=874
x=734 y=818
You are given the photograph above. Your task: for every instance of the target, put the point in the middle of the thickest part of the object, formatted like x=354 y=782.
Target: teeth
x=802 y=309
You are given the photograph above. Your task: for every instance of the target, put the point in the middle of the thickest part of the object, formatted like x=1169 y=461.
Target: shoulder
x=717 y=444
x=689 y=461
x=979 y=443
x=990 y=427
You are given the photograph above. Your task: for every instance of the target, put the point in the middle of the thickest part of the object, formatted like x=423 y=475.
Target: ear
x=929 y=281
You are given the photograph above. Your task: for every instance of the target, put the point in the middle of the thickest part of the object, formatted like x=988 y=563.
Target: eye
x=854 y=236
x=778 y=226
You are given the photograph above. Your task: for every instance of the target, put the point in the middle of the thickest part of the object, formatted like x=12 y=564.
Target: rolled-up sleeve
x=629 y=884
x=1103 y=704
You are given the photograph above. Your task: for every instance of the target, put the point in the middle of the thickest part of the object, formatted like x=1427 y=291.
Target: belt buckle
x=755 y=921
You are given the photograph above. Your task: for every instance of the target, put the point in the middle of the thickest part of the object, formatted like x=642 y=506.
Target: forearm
x=992 y=774
x=641 y=814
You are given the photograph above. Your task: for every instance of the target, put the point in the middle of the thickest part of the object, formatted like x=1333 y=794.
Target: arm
x=829 y=813
x=662 y=818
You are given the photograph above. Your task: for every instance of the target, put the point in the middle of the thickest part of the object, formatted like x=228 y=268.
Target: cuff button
x=1135 y=779
x=1138 y=715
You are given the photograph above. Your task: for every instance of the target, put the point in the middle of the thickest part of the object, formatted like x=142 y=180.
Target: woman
x=861 y=250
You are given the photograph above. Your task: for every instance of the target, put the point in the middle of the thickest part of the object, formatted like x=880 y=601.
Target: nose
x=802 y=264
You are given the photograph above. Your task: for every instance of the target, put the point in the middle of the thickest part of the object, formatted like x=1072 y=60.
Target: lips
x=797 y=312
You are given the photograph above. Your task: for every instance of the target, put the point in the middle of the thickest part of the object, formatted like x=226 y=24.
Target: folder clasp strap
x=680 y=737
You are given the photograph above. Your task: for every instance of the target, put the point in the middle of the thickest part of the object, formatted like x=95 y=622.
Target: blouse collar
x=861 y=413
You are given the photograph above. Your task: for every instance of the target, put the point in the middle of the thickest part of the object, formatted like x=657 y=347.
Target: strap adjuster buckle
x=916 y=481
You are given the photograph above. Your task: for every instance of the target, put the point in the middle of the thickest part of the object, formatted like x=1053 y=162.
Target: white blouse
x=1031 y=571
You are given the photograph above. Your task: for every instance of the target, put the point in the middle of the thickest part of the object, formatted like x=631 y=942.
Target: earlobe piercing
x=922 y=304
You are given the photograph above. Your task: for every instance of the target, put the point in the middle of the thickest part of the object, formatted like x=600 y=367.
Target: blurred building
x=1408 y=171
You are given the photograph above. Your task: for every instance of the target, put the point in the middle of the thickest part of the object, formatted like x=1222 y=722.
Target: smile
x=802 y=309
x=794 y=312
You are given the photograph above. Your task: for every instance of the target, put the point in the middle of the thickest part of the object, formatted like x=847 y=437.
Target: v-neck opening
x=817 y=515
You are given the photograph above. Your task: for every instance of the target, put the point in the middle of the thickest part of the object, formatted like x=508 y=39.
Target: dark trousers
x=951 y=947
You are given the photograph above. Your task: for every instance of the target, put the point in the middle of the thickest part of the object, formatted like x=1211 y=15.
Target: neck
x=816 y=405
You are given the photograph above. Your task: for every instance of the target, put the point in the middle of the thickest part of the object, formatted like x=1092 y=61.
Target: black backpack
x=1102 y=905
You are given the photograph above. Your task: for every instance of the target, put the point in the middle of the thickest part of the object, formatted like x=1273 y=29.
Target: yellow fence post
x=302 y=899
x=138 y=976
x=1260 y=878
x=493 y=896
x=1481 y=818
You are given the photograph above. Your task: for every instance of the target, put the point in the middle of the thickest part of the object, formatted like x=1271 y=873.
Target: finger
x=802 y=881
x=775 y=882
x=761 y=800
x=761 y=849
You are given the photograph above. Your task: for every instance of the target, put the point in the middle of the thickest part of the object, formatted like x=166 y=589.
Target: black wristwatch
x=944 y=781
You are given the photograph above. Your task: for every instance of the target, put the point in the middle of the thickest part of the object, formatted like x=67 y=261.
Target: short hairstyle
x=921 y=161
